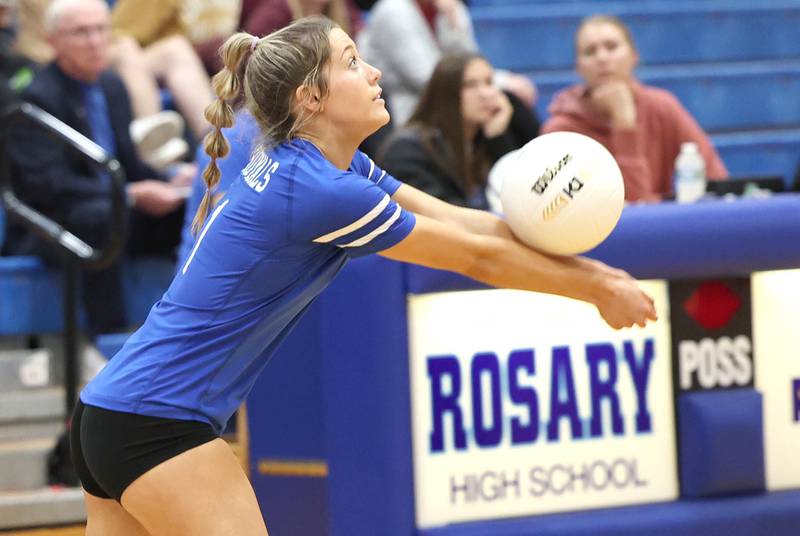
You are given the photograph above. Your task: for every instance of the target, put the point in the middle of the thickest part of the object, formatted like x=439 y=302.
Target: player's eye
x=353 y=62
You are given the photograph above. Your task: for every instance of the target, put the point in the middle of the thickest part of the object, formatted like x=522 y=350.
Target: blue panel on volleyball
x=721 y=442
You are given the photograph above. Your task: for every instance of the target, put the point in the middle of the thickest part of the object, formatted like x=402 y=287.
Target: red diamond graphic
x=712 y=305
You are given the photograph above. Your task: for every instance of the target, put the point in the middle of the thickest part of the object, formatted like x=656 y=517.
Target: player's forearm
x=506 y=263
x=481 y=222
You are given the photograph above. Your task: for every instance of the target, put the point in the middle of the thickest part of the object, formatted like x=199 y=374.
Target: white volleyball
x=562 y=193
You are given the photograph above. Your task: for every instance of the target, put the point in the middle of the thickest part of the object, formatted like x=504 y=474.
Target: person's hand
x=183 y=175
x=154 y=197
x=522 y=87
x=501 y=116
x=622 y=303
x=615 y=99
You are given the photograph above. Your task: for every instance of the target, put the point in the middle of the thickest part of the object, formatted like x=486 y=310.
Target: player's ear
x=308 y=99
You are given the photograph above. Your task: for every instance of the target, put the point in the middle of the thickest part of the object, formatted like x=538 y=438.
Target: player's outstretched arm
x=474 y=221
x=505 y=263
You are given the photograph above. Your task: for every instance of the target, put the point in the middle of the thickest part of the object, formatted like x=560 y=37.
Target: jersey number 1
x=203 y=234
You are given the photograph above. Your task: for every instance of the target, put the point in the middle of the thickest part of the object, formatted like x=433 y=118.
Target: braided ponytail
x=227 y=86
x=267 y=72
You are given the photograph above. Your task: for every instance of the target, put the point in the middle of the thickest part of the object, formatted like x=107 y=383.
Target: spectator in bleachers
x=156 y=134
x=642 y=126
x=151 y=48
x=78 y=89
x=462 y=125
x=262 y=17
x=406 y=39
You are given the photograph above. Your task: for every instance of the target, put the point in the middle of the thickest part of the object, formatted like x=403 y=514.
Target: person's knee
x=126 y=51
x=173 y=51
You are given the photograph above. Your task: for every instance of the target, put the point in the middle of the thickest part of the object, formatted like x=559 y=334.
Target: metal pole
x=72 y=362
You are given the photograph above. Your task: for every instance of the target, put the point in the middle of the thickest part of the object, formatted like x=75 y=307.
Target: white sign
x=527 y=403
x=776 y=333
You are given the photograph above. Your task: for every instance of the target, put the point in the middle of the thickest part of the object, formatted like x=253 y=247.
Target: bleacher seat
x=538 y=36
x=733 y=64
x=767 y=153
x=32 y=293
x=722 y=97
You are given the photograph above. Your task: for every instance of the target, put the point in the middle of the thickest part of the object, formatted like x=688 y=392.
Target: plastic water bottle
x=690 y=174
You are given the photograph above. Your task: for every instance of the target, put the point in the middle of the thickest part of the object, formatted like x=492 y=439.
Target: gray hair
x=56 y=9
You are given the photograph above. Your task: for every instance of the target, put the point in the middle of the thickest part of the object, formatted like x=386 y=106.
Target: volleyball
x=562 y=193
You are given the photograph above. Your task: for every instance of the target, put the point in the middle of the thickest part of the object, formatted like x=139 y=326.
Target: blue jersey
x=272 y=244
x=240 y=138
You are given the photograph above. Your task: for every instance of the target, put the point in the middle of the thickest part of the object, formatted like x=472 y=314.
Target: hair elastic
x=254 y=43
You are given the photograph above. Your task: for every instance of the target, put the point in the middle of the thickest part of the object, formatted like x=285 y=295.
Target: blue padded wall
x=721 y=442
x=770 y=514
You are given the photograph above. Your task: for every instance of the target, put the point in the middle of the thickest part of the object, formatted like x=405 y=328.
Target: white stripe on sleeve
x=371 y=168
x=361 y=222
x=382 y=229
x=383 y=174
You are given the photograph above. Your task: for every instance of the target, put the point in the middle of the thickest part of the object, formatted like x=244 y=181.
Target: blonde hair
x=268 y=72
x=605 y=19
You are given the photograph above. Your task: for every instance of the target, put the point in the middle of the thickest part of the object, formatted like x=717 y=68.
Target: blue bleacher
x=733 y=64
x=722 y=97
x=31 y=291
x=749 y=154
x=540 y=36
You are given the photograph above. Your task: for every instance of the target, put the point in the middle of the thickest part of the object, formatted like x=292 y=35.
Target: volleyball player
x=145 y=435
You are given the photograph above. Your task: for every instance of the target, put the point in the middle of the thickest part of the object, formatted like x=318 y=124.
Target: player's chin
x=381 y=117
x=376 y=122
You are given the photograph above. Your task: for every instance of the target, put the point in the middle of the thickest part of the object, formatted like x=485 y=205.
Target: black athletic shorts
x=111 y=449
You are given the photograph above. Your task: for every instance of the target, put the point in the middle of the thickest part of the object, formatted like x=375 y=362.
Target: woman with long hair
x=642 y=126
x=462 y=124
x=145 y=435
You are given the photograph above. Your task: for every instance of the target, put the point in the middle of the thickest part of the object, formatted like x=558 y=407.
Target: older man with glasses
x=78 y=88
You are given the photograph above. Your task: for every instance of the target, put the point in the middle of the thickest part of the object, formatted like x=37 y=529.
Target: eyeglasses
x=85 y=32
